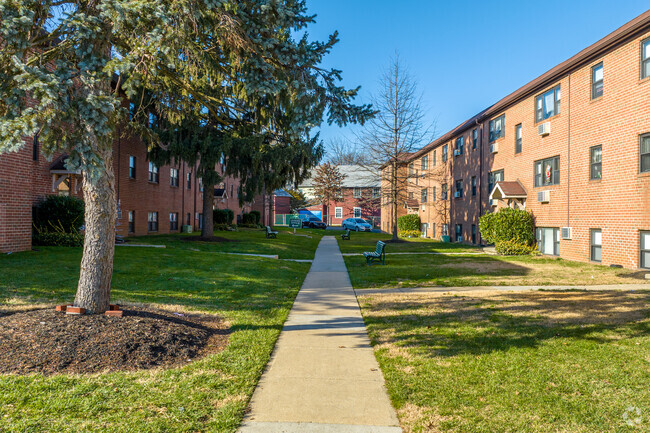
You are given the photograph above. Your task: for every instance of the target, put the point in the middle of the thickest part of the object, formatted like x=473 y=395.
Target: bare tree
x=341 y=151
x=397 y=130
x=328 y=181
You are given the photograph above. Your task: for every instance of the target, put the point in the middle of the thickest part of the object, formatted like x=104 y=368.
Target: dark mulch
x=49 y=342
x=208 y=239
x=396 y=241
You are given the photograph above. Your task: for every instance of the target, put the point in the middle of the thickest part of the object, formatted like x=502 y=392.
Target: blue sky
x=465 y=55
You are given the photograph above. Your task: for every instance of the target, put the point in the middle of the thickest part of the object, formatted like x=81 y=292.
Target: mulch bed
x=208 y=239
x=49 y=342
x=396 y=241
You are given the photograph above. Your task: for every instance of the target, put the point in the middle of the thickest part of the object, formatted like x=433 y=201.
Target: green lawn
x=254 y=296
x=476 y=270
x=515 y=362
x=364 y=241
x=249 y=241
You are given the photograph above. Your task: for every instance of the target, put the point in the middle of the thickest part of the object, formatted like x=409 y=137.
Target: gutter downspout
x=568 y=175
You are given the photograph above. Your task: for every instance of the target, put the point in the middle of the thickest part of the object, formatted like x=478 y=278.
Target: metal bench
x=270 y=233
x=379 y=255
x=345 y=235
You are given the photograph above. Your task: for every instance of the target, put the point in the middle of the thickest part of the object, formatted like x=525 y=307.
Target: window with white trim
x=357 y=212
x=425 y=162
x=173 y=176
x=357 y=192
x=338 y=212
x=153 y=173
x=645 y=249
x=596 y=236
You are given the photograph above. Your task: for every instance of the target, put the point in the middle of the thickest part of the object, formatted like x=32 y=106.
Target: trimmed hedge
x=58 y=239
x=257 y=214
x=515 y=248
x=409 y=222
x=223 y=216
x=511 y=230
x=409 y=233
x=59 y=213
x=248 y=219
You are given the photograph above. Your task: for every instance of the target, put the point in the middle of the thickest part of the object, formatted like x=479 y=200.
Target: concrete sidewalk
x=323 y=376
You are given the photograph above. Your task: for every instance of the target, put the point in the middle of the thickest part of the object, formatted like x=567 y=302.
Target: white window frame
x=354 y=212
x=644 y=249
x=596 y=244
x=356 y=192
x=338 y=212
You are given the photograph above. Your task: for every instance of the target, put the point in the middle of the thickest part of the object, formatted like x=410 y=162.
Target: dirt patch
x=396 y=241
x=421 y=418
x=207 y=239
x=50 y=342
x=483 y=267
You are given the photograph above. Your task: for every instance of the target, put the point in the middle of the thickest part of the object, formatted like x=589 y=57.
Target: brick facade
x=617 y=204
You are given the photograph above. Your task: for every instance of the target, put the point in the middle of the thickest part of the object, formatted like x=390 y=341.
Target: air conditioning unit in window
x=494 y=147
x=566 y=233
x=543 y=196
x=544 y=129
x=457 y=152
x=423 y=207
x=458 y=194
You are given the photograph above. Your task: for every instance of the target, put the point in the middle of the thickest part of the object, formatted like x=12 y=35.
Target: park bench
x=270 y=233
x=378 y=255
x=345 y=235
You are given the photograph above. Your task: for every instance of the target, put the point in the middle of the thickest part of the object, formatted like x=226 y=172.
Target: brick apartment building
x=360 y=196
x=571 y=146
x=151 y=200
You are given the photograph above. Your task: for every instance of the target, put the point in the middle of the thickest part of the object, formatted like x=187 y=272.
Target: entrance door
x=548 y=241
x=424 y=228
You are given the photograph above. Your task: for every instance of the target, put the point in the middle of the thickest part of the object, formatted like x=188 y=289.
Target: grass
x=364 y=241
x=254 y=295
x=514 y=362
x=479 y=270
x=248 y=241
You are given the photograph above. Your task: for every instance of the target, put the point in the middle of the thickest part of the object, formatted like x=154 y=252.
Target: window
x=173 y=221
x=189 y=180
x=547 y=104
x=459 y=233
x=152 y=220
x=423 y=195
x=493 y=178
x=356 y=193
x=548 y=241
x=425 y=162
x=459 y=145
x=497 y=128
x=473 y=185
x=411 y=195
x=473 y=233
x=518 y=135
x=200 y=180
x=338 y=212
x=645 y=250
x=232 y=188
x=444 y=191
x=357 y=212
x=199 y=217
x=596 y=163
x=547 y=171
x=435 y=157
x=376 y=192
x=411 y=169
x=434 y=194
x=597 y=81
x=645 y=58
x=459 y=189
x=445 y=153
x=131 y=221
x=153 y=173
x=645 y=153
x=596 y=244
x=474 y=138
x=445 y=229
x=173 y=176
x=188 y=219
x=35 y=145
x=132 y=167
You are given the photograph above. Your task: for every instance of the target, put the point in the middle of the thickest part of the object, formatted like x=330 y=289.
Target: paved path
x=444 y=289
x=323 y=376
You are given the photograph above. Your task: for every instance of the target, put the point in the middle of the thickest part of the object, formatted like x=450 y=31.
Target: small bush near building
x=59 y=214
x=257 y=214
x=409 y=233
x=223 y=216
x=409 y=222
x=510 y=230
x=248 y=219
x=58 y=239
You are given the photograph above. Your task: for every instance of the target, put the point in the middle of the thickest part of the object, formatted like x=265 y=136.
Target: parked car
x=356 y=224
x=313 y=223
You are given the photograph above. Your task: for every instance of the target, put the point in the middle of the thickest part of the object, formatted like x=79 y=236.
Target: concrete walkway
x=323 y=376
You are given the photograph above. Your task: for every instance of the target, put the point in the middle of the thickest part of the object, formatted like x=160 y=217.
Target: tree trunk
x=94 y=289
x=208 y=215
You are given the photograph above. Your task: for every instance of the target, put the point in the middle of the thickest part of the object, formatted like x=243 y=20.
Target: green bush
x=58 y=239
x=257 y=215
x=486 y=227
x=249 y=219
x=515 y=248
x=223 y=216
x=59 y=213
x=248 y=225
x=408 y=222
x=224 y=227
x=409 y=233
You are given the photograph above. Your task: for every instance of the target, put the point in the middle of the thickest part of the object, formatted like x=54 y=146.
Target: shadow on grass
x=450 y=326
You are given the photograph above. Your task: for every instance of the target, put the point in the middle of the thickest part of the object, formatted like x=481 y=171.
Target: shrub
x=409 y=233
x=249 y=226
x=223 y=216
x=59 y=213
x=58 y=239
x=224 y=227
x=257 y=215
x=515 y=248
x=506 y=225
x=248 y=219
x=408 y=222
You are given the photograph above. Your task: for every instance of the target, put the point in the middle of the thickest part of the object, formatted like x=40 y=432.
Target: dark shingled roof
x=511 y=189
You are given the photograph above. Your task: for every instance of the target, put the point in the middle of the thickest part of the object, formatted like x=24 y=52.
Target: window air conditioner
x=458 y=194
x=543 y=196
x=544 y=129
x=494 y=147
x=457 y=152
x=566 y=233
